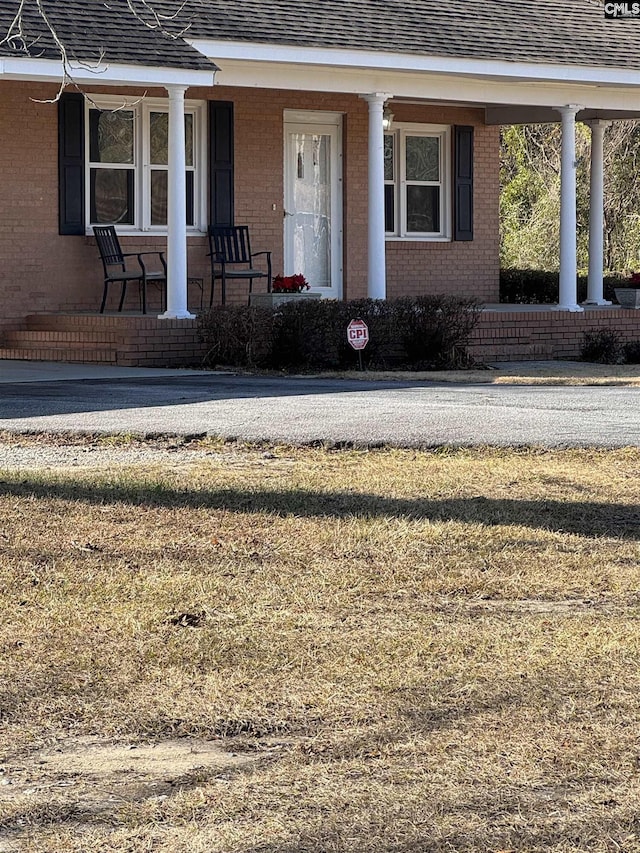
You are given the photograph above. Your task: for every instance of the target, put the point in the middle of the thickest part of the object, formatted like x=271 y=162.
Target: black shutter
x=71 y=164
x=463 y=184
x=221 y=163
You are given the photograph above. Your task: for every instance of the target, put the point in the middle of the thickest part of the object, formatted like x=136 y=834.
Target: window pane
x=159 y=138
x=190 y=199
x=188 y=132
x=159 y=195
x=388 y=158
x=112 y=198
x=389 y=208
x=111 y=136
x=423 y=158
x=423 y=209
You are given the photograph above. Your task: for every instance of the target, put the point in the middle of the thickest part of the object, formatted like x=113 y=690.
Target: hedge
x=423 y=333
x=541 y=287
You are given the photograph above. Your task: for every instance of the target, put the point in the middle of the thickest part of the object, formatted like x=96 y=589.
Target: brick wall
x=457 y=268
x=42 y=271
x=532 y=335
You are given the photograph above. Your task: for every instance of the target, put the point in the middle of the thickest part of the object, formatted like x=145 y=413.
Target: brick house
x=359 y=141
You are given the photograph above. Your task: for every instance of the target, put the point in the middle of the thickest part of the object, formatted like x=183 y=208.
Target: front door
x=313 y=199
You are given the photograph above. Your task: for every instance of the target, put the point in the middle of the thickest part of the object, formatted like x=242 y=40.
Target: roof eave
x=106 y=74
x=379 y=61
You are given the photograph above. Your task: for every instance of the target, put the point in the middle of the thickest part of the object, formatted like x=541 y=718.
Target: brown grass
x=417 y=652
x=520 y=373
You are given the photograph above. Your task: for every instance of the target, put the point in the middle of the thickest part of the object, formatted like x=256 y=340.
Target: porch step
x=57 y=338
x=42 y=339
x=100 y=323
x=81 y=355
x=129 y=340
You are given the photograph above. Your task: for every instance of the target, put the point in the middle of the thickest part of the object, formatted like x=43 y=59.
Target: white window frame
x=400 y=131
x=142 y=109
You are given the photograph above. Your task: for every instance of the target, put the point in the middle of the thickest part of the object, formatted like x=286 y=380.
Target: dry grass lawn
x=297 y=650
x=520 y=373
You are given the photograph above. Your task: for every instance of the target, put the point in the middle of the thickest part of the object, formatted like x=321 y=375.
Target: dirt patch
x=83 y=781
x=166 y=760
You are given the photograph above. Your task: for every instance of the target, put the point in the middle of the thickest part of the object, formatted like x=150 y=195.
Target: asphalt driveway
x=332 y=411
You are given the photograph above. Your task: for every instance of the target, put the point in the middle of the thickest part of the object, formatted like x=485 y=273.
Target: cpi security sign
x=358 y=334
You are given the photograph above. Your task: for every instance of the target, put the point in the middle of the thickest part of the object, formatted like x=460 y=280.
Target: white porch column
x=568 y=218
x=177 y=211
x=377 y=276
x=595 y=288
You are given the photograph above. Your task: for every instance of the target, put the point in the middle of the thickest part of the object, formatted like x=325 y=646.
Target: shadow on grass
x=589 y=518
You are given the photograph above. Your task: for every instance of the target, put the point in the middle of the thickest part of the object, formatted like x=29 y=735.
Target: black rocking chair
x=232 y=258
x=114 y=262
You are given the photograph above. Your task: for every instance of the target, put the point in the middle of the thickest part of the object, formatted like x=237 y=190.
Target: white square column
x=595 y=287
x=177 y=211
x=568 y=297
x=376 y=256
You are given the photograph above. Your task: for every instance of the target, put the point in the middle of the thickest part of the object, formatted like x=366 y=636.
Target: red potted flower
x=289 y=284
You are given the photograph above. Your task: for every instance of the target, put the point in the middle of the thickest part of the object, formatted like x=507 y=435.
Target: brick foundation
x=137 y=341
x=504 y=335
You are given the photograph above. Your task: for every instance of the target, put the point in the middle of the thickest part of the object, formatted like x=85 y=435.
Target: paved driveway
x=302 y=410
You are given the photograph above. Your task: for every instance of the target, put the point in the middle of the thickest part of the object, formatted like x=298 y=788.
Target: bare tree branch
x=44 y=36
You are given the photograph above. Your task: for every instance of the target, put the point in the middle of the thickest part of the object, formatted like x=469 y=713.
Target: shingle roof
x=564 y=32
x=571 y=32
x=94 y=30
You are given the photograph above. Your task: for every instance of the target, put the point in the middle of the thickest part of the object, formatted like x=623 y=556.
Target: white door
x=313 y=199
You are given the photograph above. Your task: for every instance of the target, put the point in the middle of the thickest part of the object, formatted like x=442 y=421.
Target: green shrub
x=236 y=335
x=631 y=352
x=603 y=346
x=541 y=287
x=310 y=334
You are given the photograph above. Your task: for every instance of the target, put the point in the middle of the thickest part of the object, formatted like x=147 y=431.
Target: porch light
x=387 y=118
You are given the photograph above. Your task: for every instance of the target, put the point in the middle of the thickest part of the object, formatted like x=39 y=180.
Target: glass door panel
x=312 y=206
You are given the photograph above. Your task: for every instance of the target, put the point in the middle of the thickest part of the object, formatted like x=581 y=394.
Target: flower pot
x=628 y=297
x=272 y=300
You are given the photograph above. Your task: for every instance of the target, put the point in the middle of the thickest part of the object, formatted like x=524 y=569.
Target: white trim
x=313 y=117
x=389 y=61
x=428 y=86
x=51 y=70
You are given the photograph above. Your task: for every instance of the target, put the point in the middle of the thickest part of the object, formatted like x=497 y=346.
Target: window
x=417 y=183
x=127 y=170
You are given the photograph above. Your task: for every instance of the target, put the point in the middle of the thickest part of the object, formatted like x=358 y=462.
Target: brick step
x=90 y=322
x=56 y=338
x=75 y=355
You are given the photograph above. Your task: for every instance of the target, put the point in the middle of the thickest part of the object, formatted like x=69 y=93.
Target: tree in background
x=530 y=196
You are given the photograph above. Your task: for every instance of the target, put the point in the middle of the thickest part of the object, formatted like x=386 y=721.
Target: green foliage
x=530 y=196
x=424 y=333
x=603 y=346
x=540 y=287
x=631 y=351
